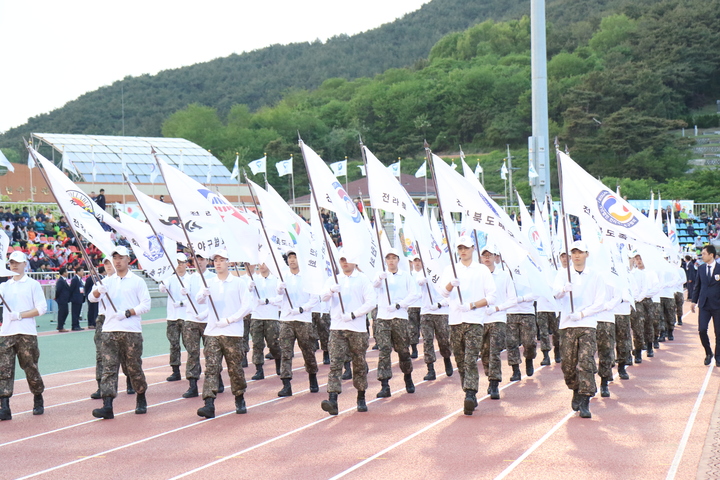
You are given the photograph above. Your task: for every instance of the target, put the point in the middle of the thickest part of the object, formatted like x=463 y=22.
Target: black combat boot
x=240 y=407
x=409 y=385
x=448 y=367
x=661 y=338
x=671 y=337
x=384 y=390
x=140 y=404
x=679 y=322
x=313 y=383
x=575 y=403
x=650 y=352
x=221 y=385
x=330 y=405
x=244 y=361
x=130 y=390
x=529 y=367
x=361 y=405
x=622 y=373
x=5 y=413
x=655 y=343
x=585 y=406
x=277 y=366
x=347 y=374
x=431 y=372
x=326 y=357
x=470 y=402
x=193 y=390
x=208 y=411
x=546 y=358
x=558 y=357
x=259 y=373
x=413 y=351
x=638 y=355
x=175 y=374
x=106 y=411
x=287 y=388
x=96 y=394
x=38 y=404
x=493 y=390
x=516 y=373
x=604 y=390
x=269 y=356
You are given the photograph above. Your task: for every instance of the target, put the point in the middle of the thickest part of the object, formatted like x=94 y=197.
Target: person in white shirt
x=349 y=334
x=668 y=308
x=434 y=323
x=623 y=331
x=637 y=315
x=264 y=324
x=296 y=324
x=414 y=309
x=578 y=324
x=396 y=291
x=647 y=307
x=23 y=300
x=231 y=301
x=605 y=333
x=469 y=293
x=321 y=325
x=194 y=326
x=175 y=312
x=122 y=331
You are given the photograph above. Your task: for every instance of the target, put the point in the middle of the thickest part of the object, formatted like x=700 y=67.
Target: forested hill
x=260 y=77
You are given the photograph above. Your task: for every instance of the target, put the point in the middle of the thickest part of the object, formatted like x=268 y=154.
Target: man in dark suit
x=706 y=295
x=77 y=297
x=92 y=310
x=62 y=297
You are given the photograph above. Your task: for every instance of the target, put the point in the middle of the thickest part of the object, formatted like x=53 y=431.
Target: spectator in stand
x=8 y=232
x=100 y=200
x=703 y=216
x=644 y=212
x=25 y=214
x=698 y=242
x=691 y=230
x=19 y=238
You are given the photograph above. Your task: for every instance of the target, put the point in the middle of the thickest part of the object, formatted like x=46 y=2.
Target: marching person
x=233 y=300
x=668 y=309
x=623 y=330
x=605 y=333
x=264 y=325
x=348 y=331
x=321 y=323
x=122 y=331
x=466 y=316
x=434 y=323
x=414 y=309
x=175 y=313
x=648 y=281
x=391 y=324
x=23 y=300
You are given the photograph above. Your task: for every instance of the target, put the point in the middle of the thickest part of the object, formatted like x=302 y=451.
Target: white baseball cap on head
x=392 y=251
x=578 y=245
x=181 y=257
x=220 y=252
x=465 y=241
x=17 y=256
x=490 y=247
x=120 y=250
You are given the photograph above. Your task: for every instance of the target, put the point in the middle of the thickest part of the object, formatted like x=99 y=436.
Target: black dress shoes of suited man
x=708 y=358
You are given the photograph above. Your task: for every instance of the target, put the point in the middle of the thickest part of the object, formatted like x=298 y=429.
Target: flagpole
x=322 y=227
x=162 y=245
x=266 y=188
x=238 y=177
x=376 y=217
x=122 y=161
x=417 y=245
x=510 y=170
x=562 y=208
x=292 y=177
x=428 y=158
x=267 y=239
x=346 y=172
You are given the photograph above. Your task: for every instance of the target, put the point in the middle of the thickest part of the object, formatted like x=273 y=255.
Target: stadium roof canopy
x=109 y=152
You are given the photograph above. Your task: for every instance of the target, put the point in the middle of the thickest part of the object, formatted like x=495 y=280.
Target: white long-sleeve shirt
x=358 y=296
x=176 y=301
x=588 y=297
x=21 y=295
x=505 y=297
x=476 y=283
x=403 y=291
x=267 y=289
x=127 y=293
x=437 y=298
x=193 y=286
x=300 y=298
x=233 y=301
x=613 y=298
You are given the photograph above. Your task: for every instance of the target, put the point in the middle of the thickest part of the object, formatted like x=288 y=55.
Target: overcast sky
x=53 y=51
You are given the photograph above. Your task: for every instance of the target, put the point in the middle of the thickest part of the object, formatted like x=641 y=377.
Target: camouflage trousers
x=466 y=340
x=99 y=321
x=25 y=349
x=193 y=333
x=346 y=344
x=392 y=335
x=578 y=349
x=173 y=332
x=637 y=323
x=668 y=312
x=679 y=302
x=215 y=349
x=115 y=344
x=321 y=322
x=302 y=332
x=543 y=330
x=623 y=339
x=432 y=326
x=652 y=319
x=262 y=331
x=553 y=323
x=605 y=335
x=521 y=329
x=493 y=343
x=246 y=333
x=413 y=325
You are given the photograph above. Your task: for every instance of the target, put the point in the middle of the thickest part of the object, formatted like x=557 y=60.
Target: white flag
x=147 y=247
x=6 y=163
x=362 y=170
x=94 y=165
x=235 y=175
x=154 y=172
x=67 y=163
x=503 y=171
x=395 y=169
x=31 y=162
x=453 y=165
x=123 y=165
x=658 y=213
x=258 y=166
x=531 y=171
x=285 y=167
x=478 y=170
x=208 y=178
x=4 y=245
x=339 y=168
x=422 y=171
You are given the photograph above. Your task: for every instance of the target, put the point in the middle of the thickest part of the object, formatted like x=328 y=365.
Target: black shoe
x=717 y=362
x=269 y=356
x=638 y=356
x=208 y=411
x=221 y=385
x=413 y=352
x=448 y=367
x=331 y=405
x=375 y=347
x=529 y=367
x=661 y=338
x=287 y=388
x=409 y=385
x=77 y=329
x=130 y=390
x=277 y=366
x=679 y=322
x=431 y=372
x=361 y=405
x=516 y=373
x=259 y=373
x=585 y=406
x=313 y=383
x=493 y=390
x=650 y=351
x=240 y=407
x=708 y=358
x=175 y=375
x=244 y=361
x=575 y=402
x=384 y=390
x=38 y=405
x=96 y=395
x=655 y=343
x=470 y=402
x=5 y=413
x=546 y=359
x=326 y=358
x=558 y=357
x=140 y=404
x=106 y=411
x=622 y=373
x=604 y=390
x=670 y=336
x=347 y=374
x=191 y=392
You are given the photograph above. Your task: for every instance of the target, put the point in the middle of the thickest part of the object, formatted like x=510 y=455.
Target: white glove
x=464 y=307
x=183 y=291
x=223 y=322
x=403 y=305
x=383 y=275
x=390 y=311
x=118 y=316
x=567 y=287
x=574 y=317
x=295 y=311
x=251 y=285
x=14 y=316
x=346 y=317
x=162 y=288
x=433 y=306
x=281 y=287
x=422 y=281
x=334 y=288
x=609 y=305
x=455 y=282
x=205 y=292
x=100 y=288
x=489 y=310
x=200 y=317
x=177 y=304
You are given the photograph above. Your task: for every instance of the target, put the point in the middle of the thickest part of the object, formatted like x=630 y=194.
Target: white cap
x=415 y=256
x=290 y=250
x=490 y=247
x=17 y=256
x=120 y=250
x=465 y=241
x=107 y=259
x=181 y=257
x=392 y=251
x=220 y=252
x=578 y=245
